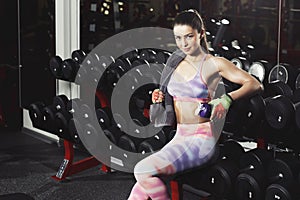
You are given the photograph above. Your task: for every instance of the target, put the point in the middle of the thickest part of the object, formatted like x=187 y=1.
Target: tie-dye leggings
x=193 y=145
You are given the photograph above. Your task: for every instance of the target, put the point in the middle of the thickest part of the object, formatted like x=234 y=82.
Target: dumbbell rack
x=68 y=167
x=176 y=186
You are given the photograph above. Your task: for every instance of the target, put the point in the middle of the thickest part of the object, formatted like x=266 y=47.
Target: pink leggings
x=193 y=145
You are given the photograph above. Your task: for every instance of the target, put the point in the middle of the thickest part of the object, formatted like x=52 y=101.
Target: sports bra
x=194 y=88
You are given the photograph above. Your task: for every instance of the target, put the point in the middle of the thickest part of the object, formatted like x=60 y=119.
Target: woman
x=188 y=81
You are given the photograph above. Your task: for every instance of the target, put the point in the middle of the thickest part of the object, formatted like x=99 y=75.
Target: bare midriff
x=185 y=110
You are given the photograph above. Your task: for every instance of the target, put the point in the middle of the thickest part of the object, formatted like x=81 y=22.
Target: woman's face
x=187 y=39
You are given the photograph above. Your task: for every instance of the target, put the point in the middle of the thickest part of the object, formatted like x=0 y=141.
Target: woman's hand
x=157 y=96
x=220 y=106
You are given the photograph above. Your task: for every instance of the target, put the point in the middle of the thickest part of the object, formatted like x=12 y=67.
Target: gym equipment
x=285 y=73
x=251 y=182
x=60 y=102
x=283 y=173
x=241 y=63
x=78 y=56
x=55 y=66
x=48 y=122
x=162 y=57
x=277 y=88
x=61 y=120
x=68 y=167
x=261 y=70
x=74 y=128
x=280 y=112
x=149 y=55
x=220 y=178
x=103 y=117
x=35 y=114
x=252 y=115
x=69 y=69
x=115 y=71
x=129 y=143
x=152 y=144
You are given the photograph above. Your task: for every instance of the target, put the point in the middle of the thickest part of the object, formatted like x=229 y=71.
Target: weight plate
x=276 y=191
x=279 y=112
x=257 y=69
x=280 y=173
x=247 y=187
x=278 y=72
x=237 y=62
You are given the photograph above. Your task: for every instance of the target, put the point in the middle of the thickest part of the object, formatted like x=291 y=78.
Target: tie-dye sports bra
x=194 y=88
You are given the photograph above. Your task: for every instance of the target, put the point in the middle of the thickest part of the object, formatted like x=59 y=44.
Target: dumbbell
x=220 y=177
x=283 y=173
x=153 y=143
x=69 y=69
x=162 y=57
x=104 y=117
x=78 y=55
x=129 y=143
x=60 y=102
x=149 y=55
x=75 y=129
x=93 y=69
x=79 y=117
x=252 y=181
x=55 y=66
x=280 y=111
x=115 y=72
x=90 y=134
x=131 y=54
x=277 y=88
x=48 y=113
x=241 y=63
x=61 y=128
x=55 y=115
x=261 y=70
x=252 y=114
x=285 y=73
x=35 y=114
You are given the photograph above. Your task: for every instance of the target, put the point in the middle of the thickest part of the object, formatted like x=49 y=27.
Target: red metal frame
x=69 y=168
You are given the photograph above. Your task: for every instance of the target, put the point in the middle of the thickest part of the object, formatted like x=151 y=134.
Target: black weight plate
x=35 y=113
x=276 y=191
x=110 y=136
x=103 y=118
x=278 y=72
x=220 y=178
x=150 y=145
x=74 y=129
x=78 y=55
x=248 y=188
x=55 y=66
x=279 y=112
x=126 y=143
x=86 y=112
x=231 y=150
x=60 y=102
x=255 y=159
x=280 y=173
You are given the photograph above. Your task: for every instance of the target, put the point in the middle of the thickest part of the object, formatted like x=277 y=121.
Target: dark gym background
x=27 y=42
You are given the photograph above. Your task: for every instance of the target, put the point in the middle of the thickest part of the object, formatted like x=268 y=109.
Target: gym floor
x=28 y=162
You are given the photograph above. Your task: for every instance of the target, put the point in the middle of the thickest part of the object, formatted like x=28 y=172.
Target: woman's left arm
x=249 y=85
